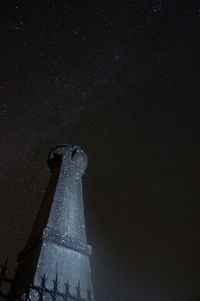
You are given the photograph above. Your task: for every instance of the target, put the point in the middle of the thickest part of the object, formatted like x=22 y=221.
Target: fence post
x=42 y=287
x=66 y=296
x=55 y=288
x=89 y=297
x=3 y=270
x=78 y=292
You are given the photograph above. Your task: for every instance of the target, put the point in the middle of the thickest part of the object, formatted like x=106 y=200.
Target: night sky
x=120 y=79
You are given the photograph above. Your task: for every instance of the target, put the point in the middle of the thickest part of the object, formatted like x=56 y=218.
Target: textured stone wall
x=57 y=243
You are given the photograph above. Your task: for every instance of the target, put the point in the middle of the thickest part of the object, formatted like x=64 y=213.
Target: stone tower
x=57 y=243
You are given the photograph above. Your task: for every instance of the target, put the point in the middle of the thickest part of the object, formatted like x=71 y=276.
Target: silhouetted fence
x=39 y=292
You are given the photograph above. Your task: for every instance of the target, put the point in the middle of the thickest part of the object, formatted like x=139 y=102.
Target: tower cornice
x=73 y=153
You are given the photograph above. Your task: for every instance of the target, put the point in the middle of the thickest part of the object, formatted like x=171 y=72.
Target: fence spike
x=3 y=270
x=78 y=291
x=27 y=292
x=89 y=295
x=67 y=286
x=55 y=282
x=54 y=291
x=44 y=279
x=4 y=265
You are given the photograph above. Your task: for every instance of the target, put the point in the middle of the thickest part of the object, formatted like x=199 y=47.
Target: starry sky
x=120 y=79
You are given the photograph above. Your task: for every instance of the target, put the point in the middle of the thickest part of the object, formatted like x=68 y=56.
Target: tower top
x=70 y=152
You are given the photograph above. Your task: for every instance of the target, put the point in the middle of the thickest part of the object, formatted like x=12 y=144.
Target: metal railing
x=39 y=292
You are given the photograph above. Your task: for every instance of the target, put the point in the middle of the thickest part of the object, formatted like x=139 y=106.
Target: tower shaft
x=57 y=244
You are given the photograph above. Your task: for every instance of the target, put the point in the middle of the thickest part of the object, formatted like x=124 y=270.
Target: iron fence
x=39 y=292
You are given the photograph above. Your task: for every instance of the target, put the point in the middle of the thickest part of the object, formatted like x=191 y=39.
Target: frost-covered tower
x=57 y=243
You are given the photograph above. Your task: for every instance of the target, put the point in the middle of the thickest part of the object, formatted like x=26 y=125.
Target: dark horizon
x=120 y=79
